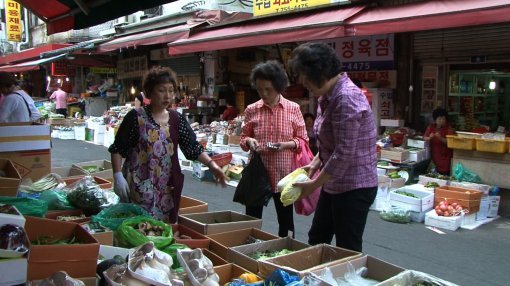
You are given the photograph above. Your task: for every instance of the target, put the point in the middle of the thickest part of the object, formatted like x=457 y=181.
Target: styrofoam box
x=493 y=206
x=392 y=123
x=397 y=183
x=424 y=180
x=424 y=201
x=18 y=219
x=417 y=143
x=109 y=252
x=418 y=155
x=468 y=219
x=484 y=208
x=381 y=171
x=451 y=223
x=419 y=216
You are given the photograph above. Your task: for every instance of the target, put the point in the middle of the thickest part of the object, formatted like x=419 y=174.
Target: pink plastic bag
x=305 y=206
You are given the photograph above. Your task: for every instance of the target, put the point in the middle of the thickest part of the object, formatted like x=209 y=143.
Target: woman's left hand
x=307 y=188
x=219 y=175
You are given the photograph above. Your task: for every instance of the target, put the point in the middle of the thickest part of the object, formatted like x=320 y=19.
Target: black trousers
x=285 y=215
x=62 y=111
x=342 y=215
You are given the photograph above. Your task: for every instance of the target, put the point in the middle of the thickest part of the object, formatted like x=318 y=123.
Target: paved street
x=478 y=257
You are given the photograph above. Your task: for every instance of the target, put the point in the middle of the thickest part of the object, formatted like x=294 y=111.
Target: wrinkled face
x=266 y=91
x=440 y=121
x=163 y=94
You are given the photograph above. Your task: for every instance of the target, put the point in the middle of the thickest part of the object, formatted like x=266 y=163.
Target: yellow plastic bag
x=290 y=194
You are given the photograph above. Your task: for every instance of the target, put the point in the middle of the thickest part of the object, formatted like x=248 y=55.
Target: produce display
x=70 y=217
x=136 y=231
x=440 y=176
x=199 y=268
x=48 y=182
x=86 y=195
x=404 y=193
x=262 y=255
x=147 y=229
x=112 y=217
x=50 y=240
x=432 y=185
x=289 y=193
x=446 y=209
x=394 y=175
x=396 y=214
x=60 y=278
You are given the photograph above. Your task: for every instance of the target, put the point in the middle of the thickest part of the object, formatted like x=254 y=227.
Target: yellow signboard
x=103 y=70
x=13 y=20
x=266 y=7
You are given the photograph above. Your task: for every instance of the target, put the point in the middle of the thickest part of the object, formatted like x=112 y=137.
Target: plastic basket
x=222 y=159
x=455 y=142
x=493 y=146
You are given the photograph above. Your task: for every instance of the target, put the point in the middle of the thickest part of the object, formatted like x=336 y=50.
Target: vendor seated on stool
x=436 y=133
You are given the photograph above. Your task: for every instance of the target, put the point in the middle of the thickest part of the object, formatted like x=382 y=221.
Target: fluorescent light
x=492 y=84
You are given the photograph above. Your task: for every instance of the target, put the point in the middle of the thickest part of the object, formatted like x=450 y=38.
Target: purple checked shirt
x=346 y=133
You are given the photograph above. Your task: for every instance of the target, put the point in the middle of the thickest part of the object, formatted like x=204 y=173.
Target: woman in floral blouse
x=148 y=138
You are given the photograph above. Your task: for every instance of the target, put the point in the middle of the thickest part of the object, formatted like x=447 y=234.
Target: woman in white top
x=17 y=105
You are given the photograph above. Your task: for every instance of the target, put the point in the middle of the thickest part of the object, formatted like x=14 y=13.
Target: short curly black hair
x=438 y=112
x=158 y=75
x=317 y=61
x=272 y=71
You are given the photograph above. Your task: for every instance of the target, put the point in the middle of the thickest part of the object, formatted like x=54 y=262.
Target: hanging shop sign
x=100 y=70
x=365 y=53
x=386 y=79
x=62 y=68
x=268 y=7
x=429 y=89
x=13 y=20
x=132 y=67
x=181 y=6
x=386 y=98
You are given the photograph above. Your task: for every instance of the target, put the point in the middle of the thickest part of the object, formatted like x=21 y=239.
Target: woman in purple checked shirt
x=346 y=134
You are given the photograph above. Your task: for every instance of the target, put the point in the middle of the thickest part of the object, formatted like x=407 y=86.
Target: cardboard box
x=65 y=172
x=105 y=165
x=450 y=223
x=306 y=260
x=234 y=139
x=54 y=214
x=16 y=219
x=103 y=184
x=10 y=183
x=104 y=238
x=417 y=143
x=28 y=146
x=230 y=271
x=239 y=254
x=216 y=222
x=33 y=164
x=215 y=259
x=424 y=200
x=395 y=155
x=196 y=239
x=221 y=242
x=78 y=260
x=467 y=198
x=13 y=271
x=190 y=205
x=494 y=202
x=479 y=187
x=377 y=269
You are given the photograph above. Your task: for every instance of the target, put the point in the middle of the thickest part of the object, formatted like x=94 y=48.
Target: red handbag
x=305 y=206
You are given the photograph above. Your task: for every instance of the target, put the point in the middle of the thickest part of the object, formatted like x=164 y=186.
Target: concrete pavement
x=477 y=257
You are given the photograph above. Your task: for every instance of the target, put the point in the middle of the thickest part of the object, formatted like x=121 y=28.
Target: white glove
x=120 y=186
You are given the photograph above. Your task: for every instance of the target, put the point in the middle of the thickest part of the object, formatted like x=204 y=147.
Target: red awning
x=428 y=15
x=65 y=15
x=165 y=35
x=29 y=54
x=272 y=30
x=30 y=65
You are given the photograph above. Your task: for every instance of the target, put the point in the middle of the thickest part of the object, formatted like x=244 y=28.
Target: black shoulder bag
x=254 y=188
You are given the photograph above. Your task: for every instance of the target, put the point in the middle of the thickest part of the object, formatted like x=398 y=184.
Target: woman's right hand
x=313 y=167
x=253 y=144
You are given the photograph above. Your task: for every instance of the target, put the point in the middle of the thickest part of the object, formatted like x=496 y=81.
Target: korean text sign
x=13 y=20
x=266 y=7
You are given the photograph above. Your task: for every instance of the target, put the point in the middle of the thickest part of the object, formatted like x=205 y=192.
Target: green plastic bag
x=56 y=199
x=128 y=236
x=27 y=206
x=465 y=175
x=112 y=217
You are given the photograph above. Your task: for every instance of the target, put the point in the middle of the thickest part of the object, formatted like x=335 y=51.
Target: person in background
x=273 y=119
x=346 y=134
x=60 y=98
x=436 y=134
x=309 y=121
x=139 y=100
x=231 y=111
x=148 y=139
x=17 y=105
